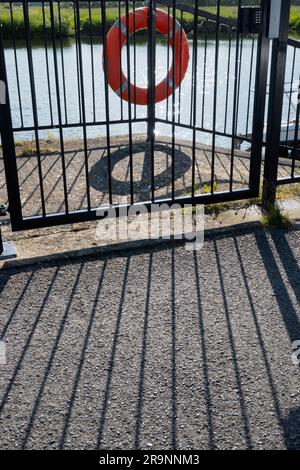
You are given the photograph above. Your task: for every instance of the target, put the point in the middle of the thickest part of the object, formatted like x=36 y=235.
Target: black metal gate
x=71 y=145
x=282 y=156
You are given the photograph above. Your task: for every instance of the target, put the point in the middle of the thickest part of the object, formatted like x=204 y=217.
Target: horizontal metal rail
x=61 y=85
x=290 y=132
x=200 y=12
x=294 y=43
x=28 y=223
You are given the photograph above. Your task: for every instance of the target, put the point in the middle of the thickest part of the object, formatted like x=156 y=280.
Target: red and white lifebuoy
x=116 y=38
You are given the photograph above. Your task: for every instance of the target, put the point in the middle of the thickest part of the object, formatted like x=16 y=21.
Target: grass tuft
x=275 y=217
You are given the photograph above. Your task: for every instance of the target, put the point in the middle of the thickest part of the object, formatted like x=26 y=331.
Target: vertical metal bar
x=261 y=79
x=129 y=104
x=180 y=67
x=204 y=72
x=80 y=58
x=227 y=84
x=61 y=137
x=194 y=79
x=62 y=63
x=47 y=63
x=120 y=47
x=215 y=98
x=151 y=89
x=92 y=61
x=168 y=64
x=33 y=101
x=235 y=105
x=239 y=86
x=16 y=63
x=77 y=62
x=107 y=114
x=279 y=56
x=151 y=70
x=8 y=147
x=134 y=59
x=173 y=96
x=250 y=83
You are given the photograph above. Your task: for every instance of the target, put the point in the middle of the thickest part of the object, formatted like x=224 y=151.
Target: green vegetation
x=67 y=20
x=275 y=217
x=205 y=188
x=64 y=27
x=295 y=19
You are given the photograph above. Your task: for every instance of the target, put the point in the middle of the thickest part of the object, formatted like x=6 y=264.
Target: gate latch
x=250 y=20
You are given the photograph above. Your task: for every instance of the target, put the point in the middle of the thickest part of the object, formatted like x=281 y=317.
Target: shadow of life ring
x=116 y=38
x=99 y=179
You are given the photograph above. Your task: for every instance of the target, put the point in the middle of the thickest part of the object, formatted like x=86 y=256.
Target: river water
x=94 y=90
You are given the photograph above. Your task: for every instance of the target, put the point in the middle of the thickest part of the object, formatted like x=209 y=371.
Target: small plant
x=275 y=217
x=27 y=148
x=206 y=188
x=49 y=136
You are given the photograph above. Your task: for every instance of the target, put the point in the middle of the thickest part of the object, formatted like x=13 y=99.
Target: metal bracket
x=9 y=251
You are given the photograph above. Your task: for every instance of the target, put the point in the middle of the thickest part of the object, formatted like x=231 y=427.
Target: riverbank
x=91 y=21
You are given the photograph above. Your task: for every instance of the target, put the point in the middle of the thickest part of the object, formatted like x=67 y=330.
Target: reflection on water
x=94 y=89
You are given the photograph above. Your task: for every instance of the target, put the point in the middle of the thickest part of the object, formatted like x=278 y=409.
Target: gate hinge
x=250 y=20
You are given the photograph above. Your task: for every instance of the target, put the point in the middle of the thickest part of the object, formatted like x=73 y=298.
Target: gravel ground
x=157 y=349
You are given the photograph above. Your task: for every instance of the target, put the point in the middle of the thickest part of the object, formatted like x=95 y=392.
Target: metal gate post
x=151 y=70
x=278 y=66
x=261 y=80
x=8 y=145
x=7 y=249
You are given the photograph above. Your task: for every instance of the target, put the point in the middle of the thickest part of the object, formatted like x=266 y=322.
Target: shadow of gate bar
x=57 y=84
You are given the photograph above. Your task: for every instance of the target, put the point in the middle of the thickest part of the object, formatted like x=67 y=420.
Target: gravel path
x=160 y=348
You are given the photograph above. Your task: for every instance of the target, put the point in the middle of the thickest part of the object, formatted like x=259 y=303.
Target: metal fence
x=71 y=145
x=290 y=136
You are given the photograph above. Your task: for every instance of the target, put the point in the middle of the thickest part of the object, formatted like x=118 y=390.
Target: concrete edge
x=9 y=251
x=122 y=248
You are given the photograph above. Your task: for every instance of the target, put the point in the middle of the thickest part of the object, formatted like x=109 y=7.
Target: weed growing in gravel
x=275 y=217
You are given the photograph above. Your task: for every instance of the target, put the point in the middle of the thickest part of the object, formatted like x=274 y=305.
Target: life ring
x=116 y=39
